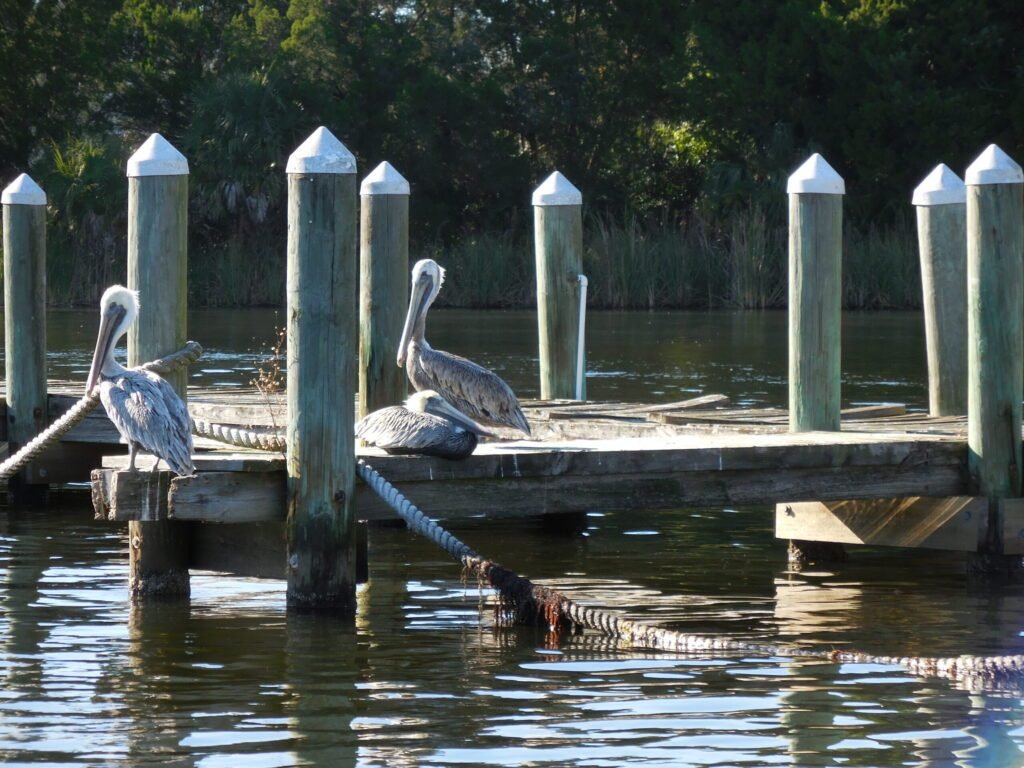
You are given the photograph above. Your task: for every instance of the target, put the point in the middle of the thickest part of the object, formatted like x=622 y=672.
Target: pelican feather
x=144 y=408
x=472 y=389
x=426 y=425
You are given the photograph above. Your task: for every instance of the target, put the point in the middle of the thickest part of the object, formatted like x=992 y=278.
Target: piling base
x=158 y=560
x=986 y=566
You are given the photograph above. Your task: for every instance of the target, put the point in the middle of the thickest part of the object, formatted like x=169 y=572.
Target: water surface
x=425 y=677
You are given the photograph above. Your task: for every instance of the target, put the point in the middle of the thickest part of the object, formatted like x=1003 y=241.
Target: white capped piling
x=558 y=242
x=322 y=352
x=383 y=286
x=24 y=220
x=158 y=270
x=941 y=203
x=815 y=295
x=995 y=316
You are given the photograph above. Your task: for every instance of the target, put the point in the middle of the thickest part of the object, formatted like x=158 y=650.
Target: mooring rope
x=164 y=365
x=272 y=441
x=529 y=602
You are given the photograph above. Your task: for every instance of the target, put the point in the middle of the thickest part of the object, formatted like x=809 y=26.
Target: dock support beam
x=941 y=205
x=558 y=242
x=322 y=351
x=24 y=219
x=158 y=270
x=995 y=328
x=815 y=314
x=815 y=295
x=383 y=286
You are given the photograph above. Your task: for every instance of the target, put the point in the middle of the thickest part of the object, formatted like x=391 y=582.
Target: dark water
x=425 y=677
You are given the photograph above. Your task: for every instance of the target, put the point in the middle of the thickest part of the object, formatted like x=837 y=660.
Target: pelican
x=470 y=388
x=145 y=409
x=426 y=424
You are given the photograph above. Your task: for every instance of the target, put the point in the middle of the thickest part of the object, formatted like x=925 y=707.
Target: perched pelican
x=470 y=388
x=425 y=424
x=145 y=409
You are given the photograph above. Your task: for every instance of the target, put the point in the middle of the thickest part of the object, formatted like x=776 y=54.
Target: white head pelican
x=426 y=424
x=145 y=409
x=470 y=388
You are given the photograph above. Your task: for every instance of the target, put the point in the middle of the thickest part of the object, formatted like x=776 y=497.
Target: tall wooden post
x=322 y=352
x=941 y=205
x=24 y=218
x=815 y=295
x=158 y=270
x=383 y=286
x=558 y=242
x=995 y=330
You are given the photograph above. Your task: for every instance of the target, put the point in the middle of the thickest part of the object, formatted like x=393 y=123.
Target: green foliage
x=87 y=216
x=680 y=121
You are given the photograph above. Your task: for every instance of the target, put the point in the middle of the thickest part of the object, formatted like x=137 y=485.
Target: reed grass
x=631 y=263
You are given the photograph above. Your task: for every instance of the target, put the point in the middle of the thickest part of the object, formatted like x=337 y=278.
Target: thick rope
x=272 y=441
x=164 y=365
x=527 y=600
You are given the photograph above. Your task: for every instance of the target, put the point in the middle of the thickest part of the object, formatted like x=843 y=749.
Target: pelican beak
x=419 y=300
x=441 y=407
x=110 y=321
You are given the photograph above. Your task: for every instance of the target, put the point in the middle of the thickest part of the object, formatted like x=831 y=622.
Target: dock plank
x=530 y=478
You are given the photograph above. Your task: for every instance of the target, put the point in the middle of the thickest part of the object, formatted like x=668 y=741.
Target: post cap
x=321 y=153
x=816 y=176
x=157 y=157
x=940 y=187
x=384 y=180
x=557 y=190
x=993 y=166
x=23 y=191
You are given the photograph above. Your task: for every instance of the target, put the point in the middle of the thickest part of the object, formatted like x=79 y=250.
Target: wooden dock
x=867 y=475
x=586 y=456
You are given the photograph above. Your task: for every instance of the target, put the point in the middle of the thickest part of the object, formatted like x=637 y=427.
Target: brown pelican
x=426 y=424
x=477 y=392
x=145 y=409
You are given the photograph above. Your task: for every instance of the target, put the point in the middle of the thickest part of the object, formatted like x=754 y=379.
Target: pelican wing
x=398 y=427
x=476 y=391
x=147 y=411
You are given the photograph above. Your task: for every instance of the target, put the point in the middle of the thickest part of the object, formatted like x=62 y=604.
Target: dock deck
x=589 y=456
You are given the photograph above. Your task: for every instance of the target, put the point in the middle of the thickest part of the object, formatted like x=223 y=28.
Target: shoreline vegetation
x=694 y=263
x=679 y=124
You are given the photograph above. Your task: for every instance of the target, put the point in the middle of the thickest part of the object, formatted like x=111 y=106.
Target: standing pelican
x=426 y=424
x=145 y=409
x=477 y=392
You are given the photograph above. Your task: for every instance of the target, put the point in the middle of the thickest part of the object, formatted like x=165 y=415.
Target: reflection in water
x=636 y=356
x=425 y=677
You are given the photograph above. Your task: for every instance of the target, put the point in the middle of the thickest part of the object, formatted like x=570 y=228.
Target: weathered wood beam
x=383 y=286
x=558 y=246
x=24 y=279
x=958 y=523
x=158 y=270
x=516 y=479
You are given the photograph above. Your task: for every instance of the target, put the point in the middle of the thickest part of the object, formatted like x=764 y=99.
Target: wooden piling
x=24 y=220
x=558 y=242
x=995 y=330
x=322 y=328
x=383 y=286
x=941 y=205
x=157 y=269
x=815 y=295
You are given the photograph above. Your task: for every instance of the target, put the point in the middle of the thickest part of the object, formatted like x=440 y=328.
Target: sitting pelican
x=426 y=424
x=470 y=388
x=145 y=409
